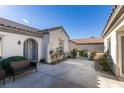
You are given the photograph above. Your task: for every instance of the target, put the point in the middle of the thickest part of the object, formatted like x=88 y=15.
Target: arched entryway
x=31 y=49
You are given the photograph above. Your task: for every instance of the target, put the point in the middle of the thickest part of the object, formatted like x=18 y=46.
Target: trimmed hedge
x=5 y=63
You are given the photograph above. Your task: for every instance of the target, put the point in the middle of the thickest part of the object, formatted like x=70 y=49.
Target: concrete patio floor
x=72 y=73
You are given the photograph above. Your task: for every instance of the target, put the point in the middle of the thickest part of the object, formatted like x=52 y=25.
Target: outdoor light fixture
x=19 y=42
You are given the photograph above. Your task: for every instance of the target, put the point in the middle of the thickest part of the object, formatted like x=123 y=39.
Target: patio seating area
x=21 y=67
x=72 y=73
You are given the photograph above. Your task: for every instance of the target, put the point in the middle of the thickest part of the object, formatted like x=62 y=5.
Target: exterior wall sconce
x=19 y=42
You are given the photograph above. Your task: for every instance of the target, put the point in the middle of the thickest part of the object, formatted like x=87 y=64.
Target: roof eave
x=17 y=31
x=110 y=20
x=53 y=29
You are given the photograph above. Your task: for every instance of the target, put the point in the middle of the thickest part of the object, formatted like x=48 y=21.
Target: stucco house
x=113 y=36
x=20 y=40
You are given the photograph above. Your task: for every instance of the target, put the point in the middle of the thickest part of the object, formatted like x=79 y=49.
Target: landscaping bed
x=98 y=67
x=55 y=62
x=102 y=65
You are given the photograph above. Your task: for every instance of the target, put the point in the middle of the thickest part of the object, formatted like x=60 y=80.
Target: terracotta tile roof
x=21 y=27
x=17 y=26
x=10 y=23
x=116 y=12
x=91 y=40
x=111 y=14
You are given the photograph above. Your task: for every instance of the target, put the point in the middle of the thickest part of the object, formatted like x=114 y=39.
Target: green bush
x=103 y=61
x=74 y=53
x=5 y=63
x=82 y=53
x=92 y=55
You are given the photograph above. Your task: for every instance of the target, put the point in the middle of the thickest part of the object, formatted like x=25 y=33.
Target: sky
x=78 y=21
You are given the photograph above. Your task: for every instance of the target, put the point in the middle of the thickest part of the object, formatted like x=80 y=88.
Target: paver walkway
x=72 y=73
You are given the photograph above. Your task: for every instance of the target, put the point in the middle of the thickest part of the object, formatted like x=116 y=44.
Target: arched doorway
x=31 y=49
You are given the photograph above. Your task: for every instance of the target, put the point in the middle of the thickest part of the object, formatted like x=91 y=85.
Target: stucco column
x=78 y=55
x=48 y=58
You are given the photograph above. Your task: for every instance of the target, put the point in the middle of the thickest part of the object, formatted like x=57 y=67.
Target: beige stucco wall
x=53 y=42
x=112 y=36
x=45 y=43
x=116 y=53
x=91 y=47
x=72 y=45
x=10 y=45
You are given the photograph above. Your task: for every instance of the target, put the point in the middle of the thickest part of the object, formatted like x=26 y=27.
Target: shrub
x=92 y=55
x=82 y=53
x=74 y=53
x=103 y=61
x=5 y=63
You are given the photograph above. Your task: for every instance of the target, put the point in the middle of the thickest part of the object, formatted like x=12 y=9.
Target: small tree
x=92 y=55
x=74 y=53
